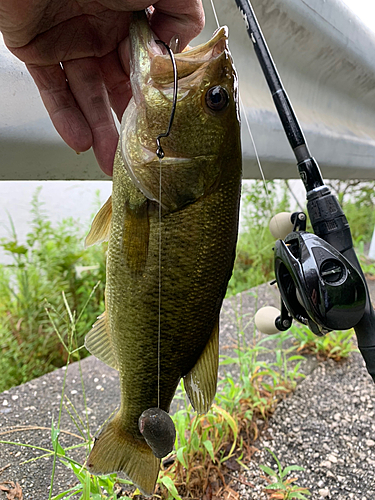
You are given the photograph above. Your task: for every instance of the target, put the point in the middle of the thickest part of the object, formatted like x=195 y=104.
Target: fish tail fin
x=116 y=450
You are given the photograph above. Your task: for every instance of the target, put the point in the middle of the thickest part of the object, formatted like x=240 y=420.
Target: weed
x=281 y=487
x=42 y=267
x=254 y=261
x=336 y=345
x=206 y=444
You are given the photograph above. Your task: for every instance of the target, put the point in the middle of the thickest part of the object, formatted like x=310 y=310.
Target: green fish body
x=171 y=246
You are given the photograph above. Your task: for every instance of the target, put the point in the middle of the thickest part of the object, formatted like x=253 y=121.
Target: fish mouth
x=190 y=60
x=148 y=62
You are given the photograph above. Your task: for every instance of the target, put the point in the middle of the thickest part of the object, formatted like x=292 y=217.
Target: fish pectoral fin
x=200 y=383
x=116 y=450
x=98 y=342
x=101 y=225
x=136 y=236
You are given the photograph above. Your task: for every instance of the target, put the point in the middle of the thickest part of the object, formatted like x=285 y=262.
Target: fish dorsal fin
x=200 y=383
x=98 y=342
x=101 y=225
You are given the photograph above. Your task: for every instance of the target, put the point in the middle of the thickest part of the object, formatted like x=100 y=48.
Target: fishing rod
x=319 y=277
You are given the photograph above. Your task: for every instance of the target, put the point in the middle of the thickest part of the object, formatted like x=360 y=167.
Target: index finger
x=178 y=17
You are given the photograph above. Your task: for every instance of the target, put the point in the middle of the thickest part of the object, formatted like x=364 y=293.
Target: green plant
x=281 y=487
x=254 y=260
x=205 y=443
x=357 y=199
x=52 y=259
x=261 y=383
x=336 y=345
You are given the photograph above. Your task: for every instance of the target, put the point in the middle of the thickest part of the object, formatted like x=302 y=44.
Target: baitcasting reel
x=320 y=280
x=319 y=287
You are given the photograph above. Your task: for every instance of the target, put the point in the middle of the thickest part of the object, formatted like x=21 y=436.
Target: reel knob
x=281 y=225
x=265 y=320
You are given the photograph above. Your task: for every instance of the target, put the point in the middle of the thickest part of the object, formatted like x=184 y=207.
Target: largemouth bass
x=171 y=245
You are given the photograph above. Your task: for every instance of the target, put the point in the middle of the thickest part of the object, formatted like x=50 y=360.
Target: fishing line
x=159 y=315
x=244 y=114
x=160 y=155
x=248 y=129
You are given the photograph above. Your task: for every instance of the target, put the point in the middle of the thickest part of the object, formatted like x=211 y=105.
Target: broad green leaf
x=195 y=441
x=268 y=470
x=299 y=495
x=232 y=423
x=86 y=488
x=276 y=486
x=297 y=356
x=209 y=447
x=169 y=484
x=181 y=456
x=291 y=468
x=55 y=441
x=13 y=247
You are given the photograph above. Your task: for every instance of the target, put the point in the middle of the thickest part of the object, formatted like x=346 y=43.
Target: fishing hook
x=159 y=151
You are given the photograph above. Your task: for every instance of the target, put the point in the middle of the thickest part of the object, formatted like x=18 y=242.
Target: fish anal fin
x=116 y=450
x=101 y=225
x=200 y=383
x=98 y=342
x=136 y=236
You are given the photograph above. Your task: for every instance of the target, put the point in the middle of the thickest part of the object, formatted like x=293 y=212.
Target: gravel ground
x=327 y=426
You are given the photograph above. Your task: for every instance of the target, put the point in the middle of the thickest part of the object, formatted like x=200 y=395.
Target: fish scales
x=188 y=276
x=187 y=254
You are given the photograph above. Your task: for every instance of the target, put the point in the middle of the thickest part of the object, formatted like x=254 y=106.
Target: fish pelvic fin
x=200 y=383
x=101 y=225
x=115 y=450
x=98 y=342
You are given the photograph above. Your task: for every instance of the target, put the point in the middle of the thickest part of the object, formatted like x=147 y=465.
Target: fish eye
x=217 y=98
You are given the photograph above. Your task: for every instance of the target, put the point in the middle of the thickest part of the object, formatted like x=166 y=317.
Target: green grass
x=336 y=345
x=254 y=261
x=41 y=269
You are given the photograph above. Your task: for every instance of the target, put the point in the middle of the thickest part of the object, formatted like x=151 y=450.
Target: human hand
x=77 y=53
